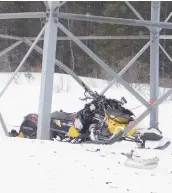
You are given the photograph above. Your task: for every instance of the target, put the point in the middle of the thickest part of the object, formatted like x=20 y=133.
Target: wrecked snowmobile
x=96 y=122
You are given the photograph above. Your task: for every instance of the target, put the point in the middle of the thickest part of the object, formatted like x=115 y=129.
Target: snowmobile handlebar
x=91 y=95
x=90 y=92
x=101 y=99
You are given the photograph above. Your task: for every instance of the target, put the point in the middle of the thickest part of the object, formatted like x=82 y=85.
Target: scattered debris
x=108 y=182
x=152 y=174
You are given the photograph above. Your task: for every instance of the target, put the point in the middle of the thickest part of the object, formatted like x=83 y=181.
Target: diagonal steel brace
x=136 y=56
x=60 y=64
x=22 y=62
x=126 y=67
x=102 y=64
x=4 y=125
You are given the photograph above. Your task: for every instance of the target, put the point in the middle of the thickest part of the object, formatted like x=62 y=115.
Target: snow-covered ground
x=46 y=166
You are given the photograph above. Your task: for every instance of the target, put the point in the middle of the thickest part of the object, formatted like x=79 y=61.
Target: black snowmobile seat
x=62 y=115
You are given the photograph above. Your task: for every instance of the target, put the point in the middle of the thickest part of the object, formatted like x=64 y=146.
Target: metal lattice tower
x=52 y=16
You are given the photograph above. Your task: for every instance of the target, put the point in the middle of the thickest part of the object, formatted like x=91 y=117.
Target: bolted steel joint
x=55 y=15
x=156 y=4
x=154 y=36
x=47 y=14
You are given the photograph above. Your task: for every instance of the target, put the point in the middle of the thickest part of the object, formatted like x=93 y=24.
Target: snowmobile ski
x=135 y=161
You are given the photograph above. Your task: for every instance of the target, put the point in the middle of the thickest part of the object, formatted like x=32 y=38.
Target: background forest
x=116 y=53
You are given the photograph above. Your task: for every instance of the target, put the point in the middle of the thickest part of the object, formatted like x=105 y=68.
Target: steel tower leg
x=154 y=62
x=48 y=64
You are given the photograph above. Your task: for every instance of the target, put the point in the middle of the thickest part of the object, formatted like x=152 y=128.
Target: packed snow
x=51 y=166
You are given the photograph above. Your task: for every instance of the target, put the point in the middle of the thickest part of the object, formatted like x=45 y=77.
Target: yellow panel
x=21 y=135
x=57 y=122
x=121 y=119
x=73 y=132
x=115 y=127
